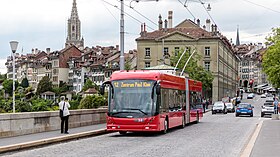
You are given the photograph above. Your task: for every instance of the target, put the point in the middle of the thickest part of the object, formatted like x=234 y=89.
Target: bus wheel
x=122 y=132
x=183 y=122
x=165 y=126
x=197 y=117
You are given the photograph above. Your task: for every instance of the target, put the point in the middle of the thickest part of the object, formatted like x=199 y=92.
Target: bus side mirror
x=102 y=88
x=158 y=89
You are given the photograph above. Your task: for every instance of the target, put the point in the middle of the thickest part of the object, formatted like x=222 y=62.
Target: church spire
x=74 y=12
x=237 y=37
x=74 y=29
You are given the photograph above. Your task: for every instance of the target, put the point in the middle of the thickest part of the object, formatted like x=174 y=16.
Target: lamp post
x=122 y=31
x=14 y=45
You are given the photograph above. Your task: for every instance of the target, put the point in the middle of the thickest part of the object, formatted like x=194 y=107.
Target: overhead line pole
x=122 y=36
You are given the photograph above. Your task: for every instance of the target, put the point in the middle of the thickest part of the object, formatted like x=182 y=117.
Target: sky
x=42 y=23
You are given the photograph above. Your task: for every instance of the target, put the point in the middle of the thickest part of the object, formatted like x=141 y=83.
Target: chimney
x=48 y=50
x=117 y=48
x=208 y=25
x=159 y=22
x=170 y=19
x=212 y=28
x=165 y=25
x=144 y=27
x=198 y=22
x=204 y=27
x=215 y=28
x=32 y=51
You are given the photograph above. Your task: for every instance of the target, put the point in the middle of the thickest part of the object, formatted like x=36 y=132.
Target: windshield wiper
x=135 y=109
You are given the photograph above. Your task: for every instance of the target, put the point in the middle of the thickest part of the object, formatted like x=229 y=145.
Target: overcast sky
x=42 y=23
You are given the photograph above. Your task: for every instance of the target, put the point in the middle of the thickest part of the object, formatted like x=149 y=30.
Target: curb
x=27 y=145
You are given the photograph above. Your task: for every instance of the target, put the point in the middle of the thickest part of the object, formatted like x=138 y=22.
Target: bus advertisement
x=150 y=101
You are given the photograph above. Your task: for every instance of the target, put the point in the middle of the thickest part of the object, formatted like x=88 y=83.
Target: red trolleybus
x=150 y=101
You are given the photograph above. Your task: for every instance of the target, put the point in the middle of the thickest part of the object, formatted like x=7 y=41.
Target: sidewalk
x=268 y=140
x=31 y=140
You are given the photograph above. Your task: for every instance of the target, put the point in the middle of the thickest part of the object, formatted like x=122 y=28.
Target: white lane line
x=248 y=149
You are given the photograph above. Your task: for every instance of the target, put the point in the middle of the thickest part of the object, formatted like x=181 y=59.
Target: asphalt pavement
x=267 y=141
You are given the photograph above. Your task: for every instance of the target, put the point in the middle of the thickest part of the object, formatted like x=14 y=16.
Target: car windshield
x=244 y=106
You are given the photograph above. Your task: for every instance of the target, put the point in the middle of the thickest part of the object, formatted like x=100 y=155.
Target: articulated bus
x=150 y=101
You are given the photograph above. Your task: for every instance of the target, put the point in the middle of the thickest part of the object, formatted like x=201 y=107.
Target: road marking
x=248 y=149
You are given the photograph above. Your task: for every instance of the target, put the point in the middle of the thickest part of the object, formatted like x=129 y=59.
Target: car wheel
x=262 y=115
x=236 y=115
x=251 y=115
x=213 y=112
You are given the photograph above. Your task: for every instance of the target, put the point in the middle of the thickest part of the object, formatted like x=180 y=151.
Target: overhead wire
x=110 y=12
x=262 y=6
x=115 y=6
x=185 y=6
x=140 y=14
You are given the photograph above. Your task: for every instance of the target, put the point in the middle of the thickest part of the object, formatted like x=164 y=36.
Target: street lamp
x=14 y=45
x=122 y=31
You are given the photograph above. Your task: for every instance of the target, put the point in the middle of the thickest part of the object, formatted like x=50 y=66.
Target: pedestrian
x=207 y=103
x=203 y=104
x=64 y=106
x=275 y=104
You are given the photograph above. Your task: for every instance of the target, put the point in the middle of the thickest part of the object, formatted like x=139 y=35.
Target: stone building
x=217 y=54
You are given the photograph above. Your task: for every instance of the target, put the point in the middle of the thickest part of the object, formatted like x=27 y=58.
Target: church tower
x=74 y=29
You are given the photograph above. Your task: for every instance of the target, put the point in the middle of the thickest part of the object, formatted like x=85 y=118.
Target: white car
x=263 y=96
x=267 y=109
x=250 y=96
x=219 y=107
x=230 y=107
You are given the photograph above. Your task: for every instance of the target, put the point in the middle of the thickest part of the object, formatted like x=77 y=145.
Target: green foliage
x=88 y=84
x=44 y=85
x=3 y=76
x=127 y=65
x=24 y=83
x=271 y=61
x=74 y=104
x=41 y=105
x=194 y=70
x=94 y=101
x=8 y=86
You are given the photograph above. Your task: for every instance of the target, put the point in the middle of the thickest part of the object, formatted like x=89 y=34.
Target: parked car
x=219 y=107
x=230 y=107
x=267 y=109
x=244 y=109
x=269 y=95
x=263 y=96
x=250 y=96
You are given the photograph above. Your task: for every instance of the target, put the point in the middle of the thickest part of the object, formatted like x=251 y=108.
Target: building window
x=147 y=64
x=176 y=50
x=207 y=51
x=147 y=52
x=207 y=66
x=165 y=51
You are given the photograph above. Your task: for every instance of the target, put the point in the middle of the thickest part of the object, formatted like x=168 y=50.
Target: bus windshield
x=132 y=98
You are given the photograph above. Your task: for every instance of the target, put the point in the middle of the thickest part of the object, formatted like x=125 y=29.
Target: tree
x=127 y=65
x=271 y=61
x=44 y=85
x=88 y=84
x=8 y=86
x=194 y=70
x=25 y=83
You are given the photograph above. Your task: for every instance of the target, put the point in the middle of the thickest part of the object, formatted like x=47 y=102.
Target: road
x=220 y=135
